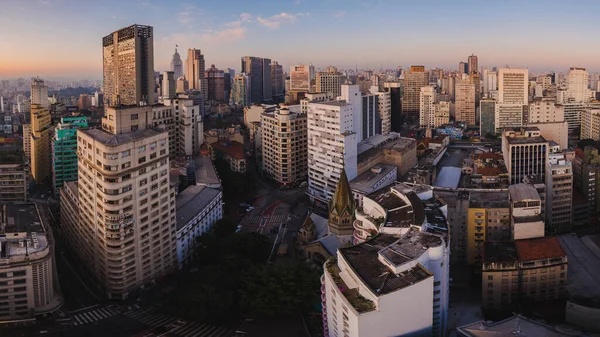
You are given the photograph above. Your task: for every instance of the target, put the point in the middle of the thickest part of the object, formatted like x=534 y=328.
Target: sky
x=62 y=38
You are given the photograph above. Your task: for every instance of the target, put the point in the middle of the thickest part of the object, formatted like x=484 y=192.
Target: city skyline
x=287 y=32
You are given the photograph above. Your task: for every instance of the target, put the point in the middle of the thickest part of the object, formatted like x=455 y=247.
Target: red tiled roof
x=439 y=139
x=425 y=141
x=488 y=155
x=579 y=153
x=233 y=148
x=539 y=249
x=489 y=171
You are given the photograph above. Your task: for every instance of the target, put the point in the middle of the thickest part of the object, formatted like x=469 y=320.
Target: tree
x=586 y=142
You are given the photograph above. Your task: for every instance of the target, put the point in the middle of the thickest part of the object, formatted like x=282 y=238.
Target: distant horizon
x=345 y=33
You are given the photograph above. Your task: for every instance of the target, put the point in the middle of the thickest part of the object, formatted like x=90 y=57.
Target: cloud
x=44 y=2
x=339 y=14
x=276 y=20
x=188 y=15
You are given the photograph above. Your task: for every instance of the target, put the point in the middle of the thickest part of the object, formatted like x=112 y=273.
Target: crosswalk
x=93 y=316
x=152 y=317
x=256 y=219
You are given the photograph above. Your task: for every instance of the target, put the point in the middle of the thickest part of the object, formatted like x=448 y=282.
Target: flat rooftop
x=21 y=218
x=489 y=200
x=332 y=103
x=372 y=145
x=539 y=249
x=434 y=214
x=500 y=252
x=22 y=231
x=110 y=139
x=205 y=171
x=583 y=275
x=507 y=328
x=364 y=260
x=410 y=246
x=191 y=201
x=367 y=181
x=519 y=192
x=526 y=140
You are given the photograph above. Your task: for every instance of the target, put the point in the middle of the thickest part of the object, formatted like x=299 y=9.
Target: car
x=239 y=228
x=250 y=209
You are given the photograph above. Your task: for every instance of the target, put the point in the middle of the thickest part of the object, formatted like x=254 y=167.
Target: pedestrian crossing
x=93 y=316
x=154 y=318
x=256 y=219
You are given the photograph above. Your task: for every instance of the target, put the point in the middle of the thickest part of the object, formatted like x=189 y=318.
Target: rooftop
x=232 y=148
x=539 y=249
x=526 y=140
x=368 y=180
x=509 y=327
x=500 y=252
x=192 y=201
x=110 y=139
x=364 y=260
x=372 y=145
x=488 y=200
x=527 y=219
x=11 y=157
x=520 y=192
x=332 y=103
x=583 y=279
x=21 y=231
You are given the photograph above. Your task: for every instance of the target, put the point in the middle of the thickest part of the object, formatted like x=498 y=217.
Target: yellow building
x=41 y=153
x=488 y=219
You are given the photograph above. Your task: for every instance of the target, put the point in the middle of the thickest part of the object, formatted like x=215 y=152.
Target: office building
x=487 y=117
x=14 y=175
x=516 y=272
x=28 y=279
x=513 y=86
x=329 y=81
x=27 y=140
x=525 y=153
x=169 y=89
x=64 y=150
x=259 y=71
x=128 y=66
x=577 y=86
x=41 y=133
x=242 y=93
x=559 y=186
x=395 y=90
x=414 y=80
x=508 y=115
x=84 y=102
x=198 y=208
x=488 y=219
x=182 y=85
x=462 y=67
x=464 y=105
x=119 y=217
x=284 y=149
x=182 y=118
x=332 y=145
x=195 y=72
x=216 y=85
x=176 y=65
x=39 y=93
x=277 y=80
x=590 y=124
x=427 y=108
x=545 y=109
x=384 y=108
x=472 y=64
x=301 y=77
x=442 y=114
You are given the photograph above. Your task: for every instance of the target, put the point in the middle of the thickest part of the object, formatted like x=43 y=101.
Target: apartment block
x=488 y=219
x=427 y=108
x=545 y=110
x=414 y=80
x=442 y=114
x=559 y=185
x=464 y=105
x=329 y=81
x=41 y=134
x=14 y=175
x=284 y=150
x=384 y=108
x=487 y=116
x=590 y=124
x=526 y=206
x=525 y=153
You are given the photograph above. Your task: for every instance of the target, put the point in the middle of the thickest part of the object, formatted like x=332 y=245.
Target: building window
x=134 y=128
x=134 y=116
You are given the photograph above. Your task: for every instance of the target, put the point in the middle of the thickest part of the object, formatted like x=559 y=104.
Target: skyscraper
x=259 y=71
x=465 y=102
x=39 y=93
x=64 y=150
x=329 y=80
x=177 y=65
x=195 y=68
x=414 y=80
x=242 y=94
x=472 y=64
x=277 y=80
x=40 y=143
x=427 y=107
x=513 y=86
x=169 y=88
x=216 y=84
x=128 y=74
x=462 y=67
x=301 y=76
x=577 y=85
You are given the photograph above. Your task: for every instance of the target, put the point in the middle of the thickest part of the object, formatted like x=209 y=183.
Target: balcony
x=358 y=302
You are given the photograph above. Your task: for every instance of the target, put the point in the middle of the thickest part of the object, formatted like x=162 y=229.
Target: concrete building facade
x=464 y=105
x=525 y=153
x=40 y=141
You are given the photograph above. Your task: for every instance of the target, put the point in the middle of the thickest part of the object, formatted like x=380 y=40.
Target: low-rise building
x=197 y=209
x=390 y=149
x=513 y=326
x=230 y=151
x=378 y=177
x=28 y=279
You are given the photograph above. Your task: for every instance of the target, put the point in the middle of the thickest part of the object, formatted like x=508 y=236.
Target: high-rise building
x=488 y=219
x=463 y=67
x=472 y=64
x=332 y=145
x=414 y=80
x=119 y=217
x=329 y=80
x=284 y=146
x=525 y=153
x=559 y=185
x=216 y=85
x=39 y=93
x=259 y=71
x=384 y=109
x=195 y=68
x=14 y=173
x=545 y=109
x=487 y=119
x=508 y=115
x=464 y=105
x=577 y=85
x=41 y=133
x=301 y=76
x=182 y=85
x=427 y=108
x=490 y=82
x=84 y=102
x=27 y=267
x=242 y=92
x=27 y=140
x=64 y=150
x=395 y=90
x=590 y=124
x=513 y=86
x=176 y=65
x=128 y=73
x=371 y=119
x=182 y=118
x=277 y=80
x=442 y=114
x=169 y=89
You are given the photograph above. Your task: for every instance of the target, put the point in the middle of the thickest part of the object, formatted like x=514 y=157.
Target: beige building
x=195 y=72
x=414 y=80
x=559 y=184
x=300 y=77
x=543 y=110
x=525 y=153
x=188 y=126
x=128 y=57
x=427 y=107
x=28 y=280
x=515 y=272
x=590 y=124
x=464 y=106
x=329 y=81
x=41 y=134
x=13 y=178
x=284 y=139
x=120 y=216
x=442 y=114
x=384 y=108
x=27 y=140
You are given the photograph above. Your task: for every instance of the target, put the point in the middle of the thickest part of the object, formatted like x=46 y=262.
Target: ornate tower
x=308 y=230
x=341 y=208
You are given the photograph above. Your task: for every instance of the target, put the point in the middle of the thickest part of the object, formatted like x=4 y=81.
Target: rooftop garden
x=360 y=303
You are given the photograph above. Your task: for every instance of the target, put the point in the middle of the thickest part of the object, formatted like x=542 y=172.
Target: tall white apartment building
x=577 y=85
x=590 y=124
x=559 y=192
x=542 y=110
x=427 y=107
x=186 y=123
x=384 y=108
x=332 y=146
x=301 y=76
x=119 y=217
x=39 y=93
x=513 y=86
